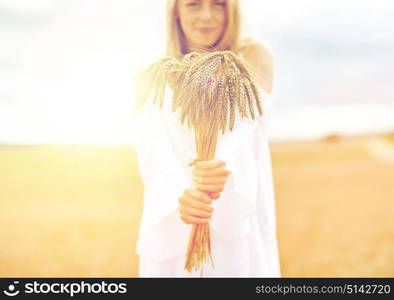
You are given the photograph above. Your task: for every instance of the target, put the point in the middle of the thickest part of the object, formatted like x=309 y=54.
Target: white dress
x=243 y=226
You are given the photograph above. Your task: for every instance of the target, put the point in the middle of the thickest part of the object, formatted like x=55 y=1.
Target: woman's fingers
x=210 y=164
x=191 y=211
x=210 y=187
x=195 y=220
x=209 y=168
x=206 y=164
x=215 y=195
x=197 y=199
x=195 y=194
x=194 y=207
x=209 y=180
x=219 y=172
x=210 y=175
x=192 y=161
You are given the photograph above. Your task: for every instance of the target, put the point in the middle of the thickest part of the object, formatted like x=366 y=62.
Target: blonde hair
x=230 y=40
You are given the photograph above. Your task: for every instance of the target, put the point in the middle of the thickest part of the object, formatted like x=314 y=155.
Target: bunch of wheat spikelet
x=208 y=88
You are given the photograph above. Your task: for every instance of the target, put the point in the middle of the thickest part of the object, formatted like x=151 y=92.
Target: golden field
x=74 y=211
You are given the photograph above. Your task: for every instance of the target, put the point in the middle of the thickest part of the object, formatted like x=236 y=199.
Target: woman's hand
x=210 y=176
x=195 y=207
x=195 y=204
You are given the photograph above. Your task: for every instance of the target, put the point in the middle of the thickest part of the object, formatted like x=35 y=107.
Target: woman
x=242 y=215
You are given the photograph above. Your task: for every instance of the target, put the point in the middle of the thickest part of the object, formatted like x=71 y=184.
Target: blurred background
x=70 y=192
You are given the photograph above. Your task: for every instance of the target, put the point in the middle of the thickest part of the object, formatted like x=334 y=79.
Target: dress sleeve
x=162 y=233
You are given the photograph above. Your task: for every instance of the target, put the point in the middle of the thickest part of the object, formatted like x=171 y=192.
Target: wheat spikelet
x=242 y=98
x=232 y=113
x=236 y=83
x=205 y=57
x=220 y=101
x=223 y=104
x=257 y=98
x=225 y=107
x=242 y=65
x=177 y=93
x=188 y=64
x=249 y=97
x=231 y=99
x=208 y=72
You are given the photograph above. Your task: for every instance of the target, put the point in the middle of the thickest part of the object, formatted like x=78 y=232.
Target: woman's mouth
x=206 y=30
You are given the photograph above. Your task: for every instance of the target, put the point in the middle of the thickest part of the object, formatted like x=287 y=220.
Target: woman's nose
x=206 y=13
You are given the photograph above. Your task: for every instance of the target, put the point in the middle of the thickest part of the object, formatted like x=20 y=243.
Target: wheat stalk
x=208 y=89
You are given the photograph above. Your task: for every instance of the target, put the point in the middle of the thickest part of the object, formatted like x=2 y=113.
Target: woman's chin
x=202 y=47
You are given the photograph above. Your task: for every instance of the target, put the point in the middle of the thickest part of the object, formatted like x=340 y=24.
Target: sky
x=66 y=67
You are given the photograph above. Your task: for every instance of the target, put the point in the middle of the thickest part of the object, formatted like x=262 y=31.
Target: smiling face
x=203 y=22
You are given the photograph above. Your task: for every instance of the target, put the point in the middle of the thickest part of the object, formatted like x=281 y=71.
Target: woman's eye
x=220 y=3
x=192 y=4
